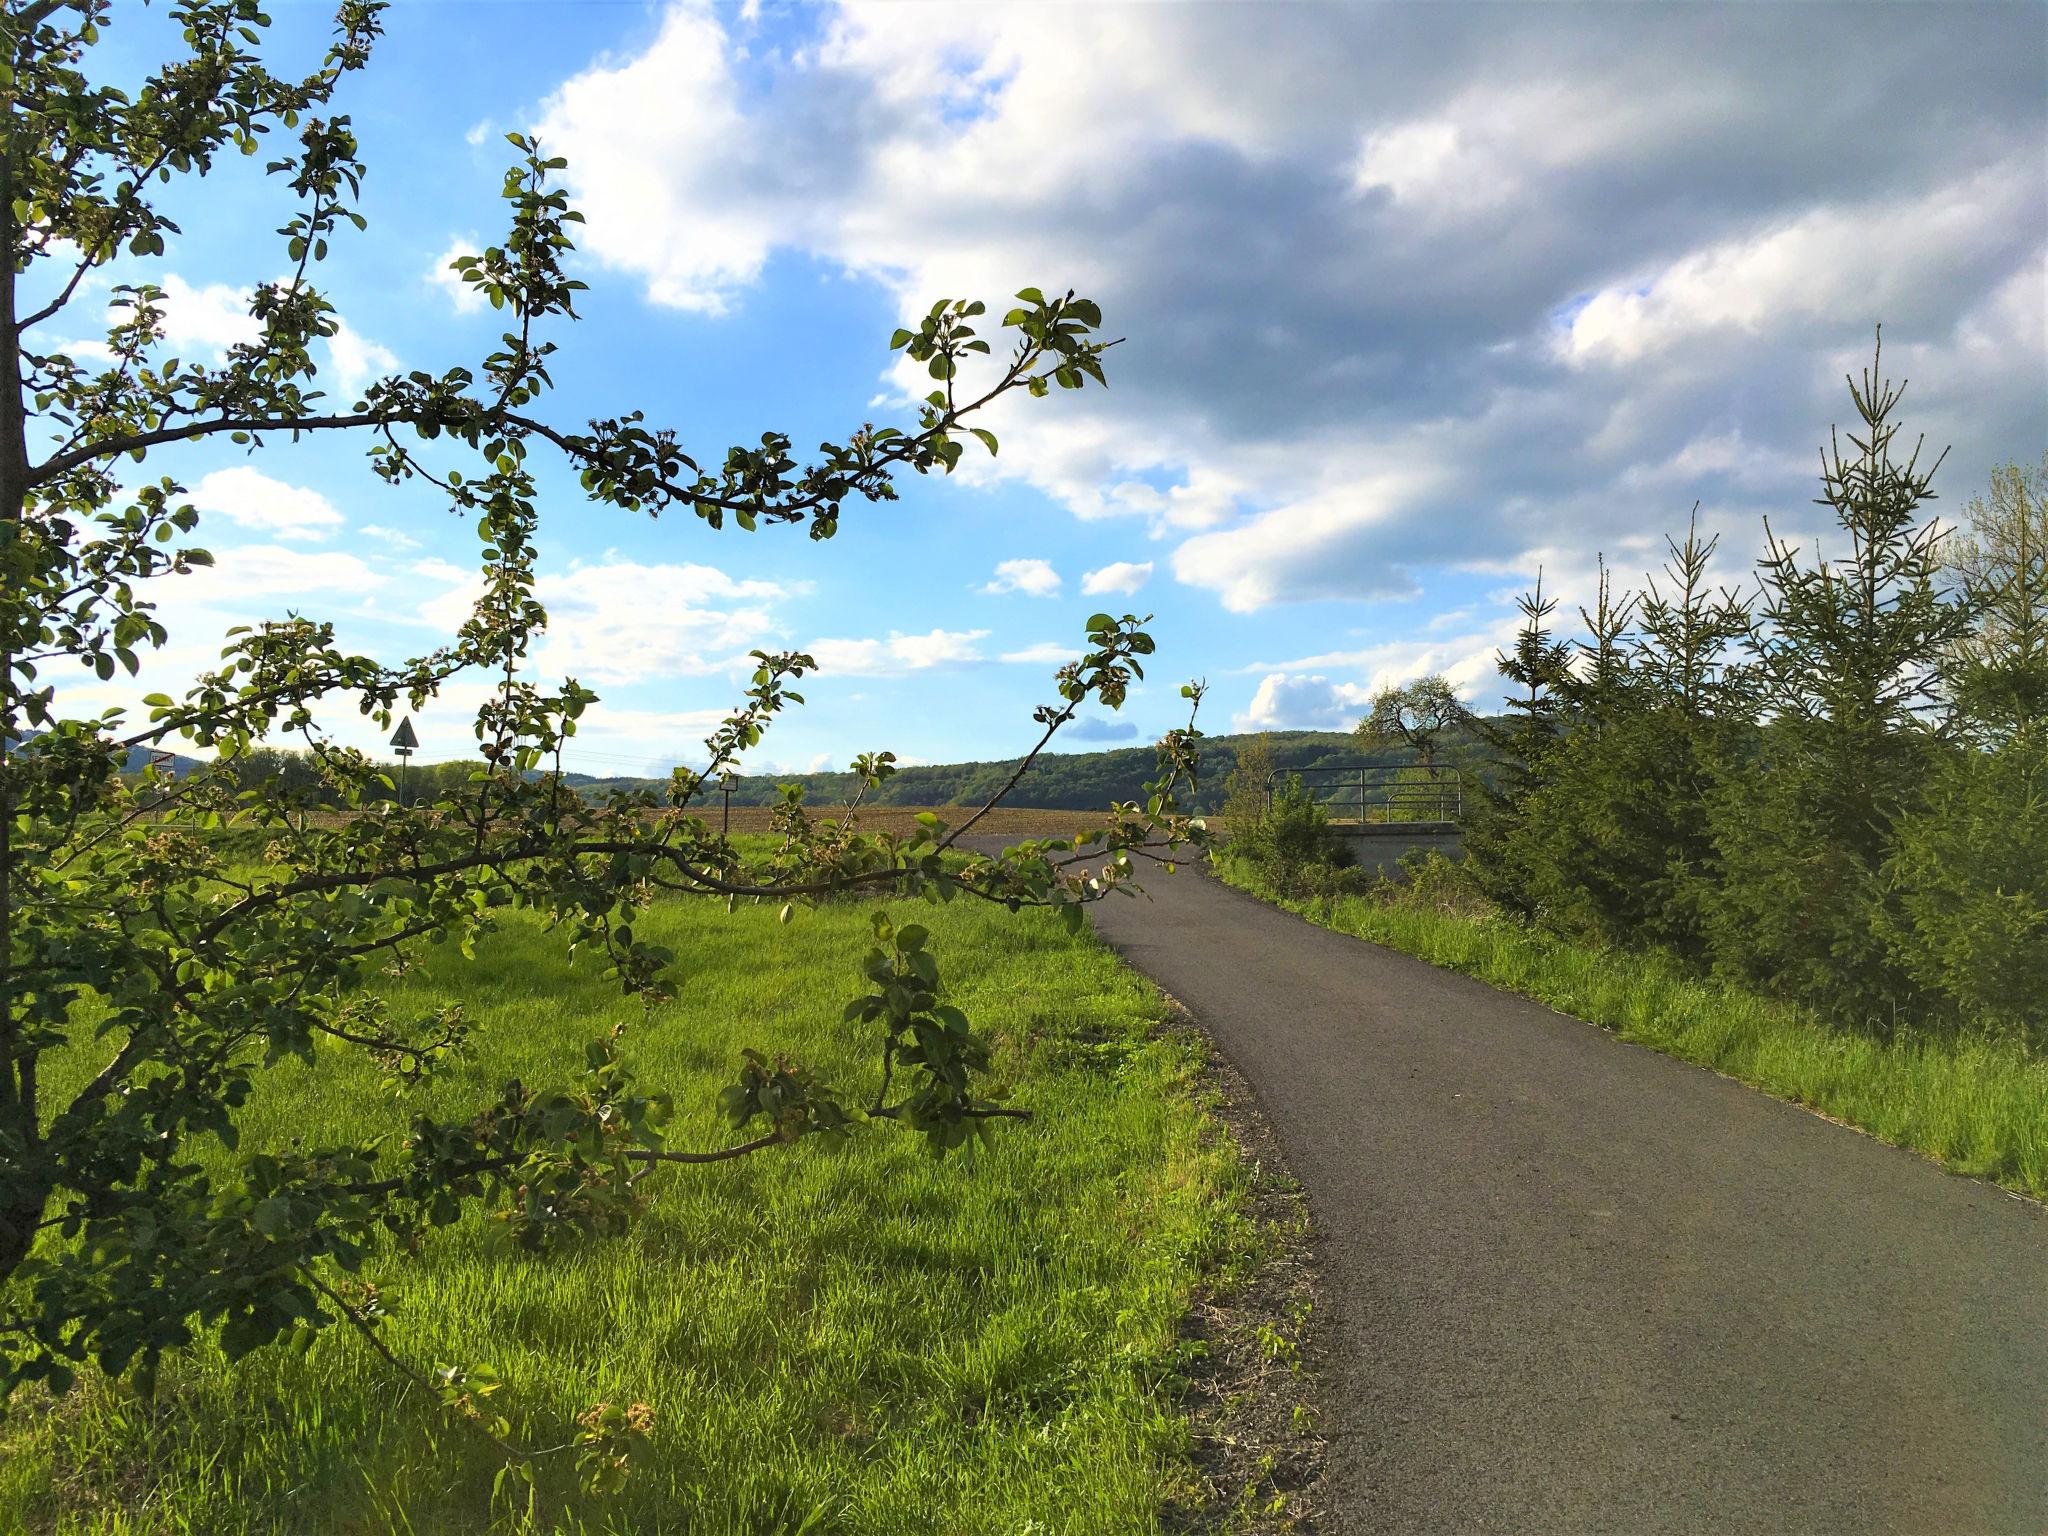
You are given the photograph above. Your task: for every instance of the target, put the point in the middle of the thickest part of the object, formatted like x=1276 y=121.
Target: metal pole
x=725 y=829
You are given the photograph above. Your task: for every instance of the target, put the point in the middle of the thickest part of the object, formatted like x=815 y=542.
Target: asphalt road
x=1576 y=1286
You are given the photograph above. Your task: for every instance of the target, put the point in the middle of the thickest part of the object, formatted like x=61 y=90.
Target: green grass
x=1978 y=1108
x=864 y=1341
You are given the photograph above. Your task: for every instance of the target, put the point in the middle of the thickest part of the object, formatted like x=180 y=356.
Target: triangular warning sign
x=403 y=738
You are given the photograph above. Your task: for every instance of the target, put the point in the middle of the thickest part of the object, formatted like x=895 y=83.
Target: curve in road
x=1577 y=1286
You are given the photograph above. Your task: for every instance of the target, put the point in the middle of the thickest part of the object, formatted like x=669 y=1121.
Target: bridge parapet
x=1374 y=797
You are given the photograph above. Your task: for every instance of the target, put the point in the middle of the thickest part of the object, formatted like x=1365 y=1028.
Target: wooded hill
x=1076 y=781
x=1060 y=781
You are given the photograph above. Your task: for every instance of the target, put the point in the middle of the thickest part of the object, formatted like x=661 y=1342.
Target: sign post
x=404 y=743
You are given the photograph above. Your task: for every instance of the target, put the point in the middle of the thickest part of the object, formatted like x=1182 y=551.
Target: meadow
x=864 y=1340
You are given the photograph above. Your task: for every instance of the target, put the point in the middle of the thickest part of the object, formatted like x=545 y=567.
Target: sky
x=1414 y=301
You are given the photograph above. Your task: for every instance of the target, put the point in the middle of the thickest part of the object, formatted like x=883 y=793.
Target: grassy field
x=864 y=1341
x=1977 y=1108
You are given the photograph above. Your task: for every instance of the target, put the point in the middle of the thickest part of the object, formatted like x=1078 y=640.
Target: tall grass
x=1979 y=1108
x=863 y=1341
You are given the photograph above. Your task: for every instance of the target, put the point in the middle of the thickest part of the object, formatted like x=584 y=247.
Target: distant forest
x=1072 y=781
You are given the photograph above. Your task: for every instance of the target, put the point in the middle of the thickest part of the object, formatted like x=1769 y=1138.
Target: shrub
x=1245 y=789
x=1432 y=883
x=1295 y=832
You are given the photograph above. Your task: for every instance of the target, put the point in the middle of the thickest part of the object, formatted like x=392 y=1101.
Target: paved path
x=1576 y=1286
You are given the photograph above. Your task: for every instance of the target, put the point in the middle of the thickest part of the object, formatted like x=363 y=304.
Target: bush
x=1286 y=839
x=1244 y=792
x=1432 y=883
x=1290 y=833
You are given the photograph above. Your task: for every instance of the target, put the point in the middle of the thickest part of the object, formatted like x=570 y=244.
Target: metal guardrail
x=1380 y=793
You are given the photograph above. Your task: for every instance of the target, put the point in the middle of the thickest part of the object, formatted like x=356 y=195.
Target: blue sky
x=1416 y=299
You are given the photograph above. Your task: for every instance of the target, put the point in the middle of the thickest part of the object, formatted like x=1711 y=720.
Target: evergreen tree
x=1517 y=752
x=1970 y=869
x=1616 y=837
x=1848 y=654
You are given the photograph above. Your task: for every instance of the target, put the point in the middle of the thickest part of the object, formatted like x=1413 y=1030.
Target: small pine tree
x=1518 y=753
x=1687 y=630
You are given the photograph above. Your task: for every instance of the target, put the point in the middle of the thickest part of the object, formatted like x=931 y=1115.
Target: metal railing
x=1381 y=794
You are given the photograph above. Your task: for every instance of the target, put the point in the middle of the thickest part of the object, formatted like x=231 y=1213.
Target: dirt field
x=1004 y=821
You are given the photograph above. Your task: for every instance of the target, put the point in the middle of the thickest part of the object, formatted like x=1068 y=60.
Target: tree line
x=1057 y=781
x=1832 y=785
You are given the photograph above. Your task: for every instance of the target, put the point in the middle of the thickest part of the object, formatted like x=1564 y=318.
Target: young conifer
x=1849 y=653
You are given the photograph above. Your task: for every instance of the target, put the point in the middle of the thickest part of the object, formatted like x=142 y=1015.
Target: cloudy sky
x=1416 y=299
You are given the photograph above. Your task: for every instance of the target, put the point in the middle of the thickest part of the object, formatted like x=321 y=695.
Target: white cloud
x=1339 y=542
x=434 y=568
x=613 y=740
x=442 y=275
x=84 y=350
x=1333 y=690
x=1294 y=702
x=1123 y=576
x=1854 y=263
x=1409 y=160
x=209 y=319
x=477 y=133
x=673 y=192
x=1046 y=653
x=1033 y=578
x=397 y=538
x=251 y=499
x=247 y=575
x=356 y=360
x=1487 y=149
x=898 y=653
x=687 y=620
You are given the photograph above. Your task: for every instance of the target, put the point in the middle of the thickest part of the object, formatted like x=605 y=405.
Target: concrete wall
x=1381 y=849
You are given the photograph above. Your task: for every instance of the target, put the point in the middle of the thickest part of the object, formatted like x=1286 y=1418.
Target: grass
x=866 y=1341
x=1977 y=1108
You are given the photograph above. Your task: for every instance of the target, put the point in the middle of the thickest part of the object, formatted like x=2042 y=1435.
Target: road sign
x=404 y=743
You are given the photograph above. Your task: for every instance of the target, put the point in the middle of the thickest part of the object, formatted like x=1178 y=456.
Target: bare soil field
x=1003 y=821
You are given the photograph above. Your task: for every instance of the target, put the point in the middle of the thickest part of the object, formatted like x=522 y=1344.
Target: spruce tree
x=1516 y=753
x=1848 y=654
